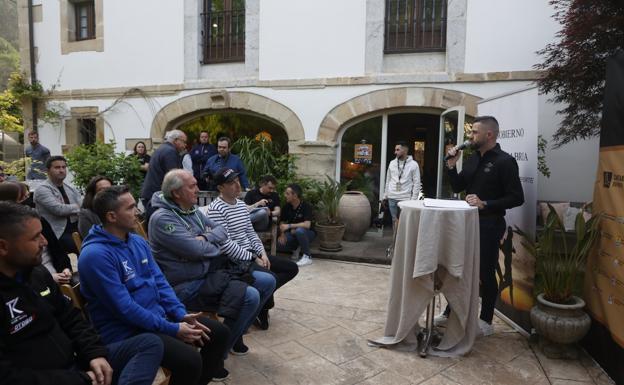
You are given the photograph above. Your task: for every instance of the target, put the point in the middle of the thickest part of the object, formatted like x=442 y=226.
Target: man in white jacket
x=402 y=180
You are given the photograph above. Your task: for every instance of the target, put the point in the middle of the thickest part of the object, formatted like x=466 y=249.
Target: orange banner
x=604 y=278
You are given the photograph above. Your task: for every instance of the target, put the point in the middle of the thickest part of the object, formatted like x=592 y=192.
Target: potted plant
x=558 y=317
x=329 y=227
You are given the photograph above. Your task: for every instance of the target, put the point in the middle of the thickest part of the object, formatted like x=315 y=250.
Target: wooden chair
x=77 y=240
x=73 y=292
x=270 y=235
x=139 y=228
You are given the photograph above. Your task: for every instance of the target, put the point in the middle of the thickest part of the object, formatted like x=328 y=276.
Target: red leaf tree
x=575 y=64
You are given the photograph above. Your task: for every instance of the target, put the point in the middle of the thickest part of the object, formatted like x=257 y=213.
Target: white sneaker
x=440 y=320
x=485 y=328
x=305 y=260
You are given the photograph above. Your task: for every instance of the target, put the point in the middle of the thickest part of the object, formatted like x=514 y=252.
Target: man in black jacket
x=491 y=180
x=44 y=339
x=166 y=157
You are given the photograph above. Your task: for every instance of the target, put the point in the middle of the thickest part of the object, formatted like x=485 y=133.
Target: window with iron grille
x=415 y=26
x=85 y=20
x=223 y=31
x=87 y=132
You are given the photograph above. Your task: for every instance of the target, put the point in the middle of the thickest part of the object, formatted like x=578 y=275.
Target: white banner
x=517 y=114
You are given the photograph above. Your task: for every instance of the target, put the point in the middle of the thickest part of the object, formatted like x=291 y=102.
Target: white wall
x=312 y=39
x=503 y=35
x=572 y=167
x=143 y=45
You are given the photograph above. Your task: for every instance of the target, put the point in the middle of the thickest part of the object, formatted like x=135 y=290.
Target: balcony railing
x=223 y=36
x=415 y=26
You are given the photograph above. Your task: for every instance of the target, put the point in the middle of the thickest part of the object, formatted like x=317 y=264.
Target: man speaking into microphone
x=491 y=181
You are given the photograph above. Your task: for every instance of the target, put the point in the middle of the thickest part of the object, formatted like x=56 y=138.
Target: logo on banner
x=609 y=179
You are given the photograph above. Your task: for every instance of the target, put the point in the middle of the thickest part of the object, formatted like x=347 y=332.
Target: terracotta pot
x=329 y=236
x=561 y=324
x=355 y=211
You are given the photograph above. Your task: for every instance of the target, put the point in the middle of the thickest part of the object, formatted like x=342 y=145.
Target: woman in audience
x=140 y=151
x=87 y=217
x=53 y=257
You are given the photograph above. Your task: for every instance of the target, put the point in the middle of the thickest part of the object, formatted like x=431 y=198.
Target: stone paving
x=323 y=318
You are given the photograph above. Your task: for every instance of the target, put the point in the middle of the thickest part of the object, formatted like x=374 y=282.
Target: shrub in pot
x=558 y=317
x=329 y=227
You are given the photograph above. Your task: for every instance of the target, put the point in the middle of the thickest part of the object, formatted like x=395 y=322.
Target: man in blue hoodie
x=127 y=294
x=189 y=248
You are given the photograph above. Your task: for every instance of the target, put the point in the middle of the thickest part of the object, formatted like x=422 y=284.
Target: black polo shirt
x=493 y=177
x=301 y=214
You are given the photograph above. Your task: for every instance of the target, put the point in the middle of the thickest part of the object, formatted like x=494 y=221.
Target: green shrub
x=87 y=161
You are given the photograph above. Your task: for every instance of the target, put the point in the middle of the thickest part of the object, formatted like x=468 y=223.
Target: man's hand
x=191 y=319
x=453 y=153
x=189 y=334
x=61 y=278
x=473 y=200
x=284 y=227
x=263 y=261
x=282 y=239
x=262 y=202
x=101 y=372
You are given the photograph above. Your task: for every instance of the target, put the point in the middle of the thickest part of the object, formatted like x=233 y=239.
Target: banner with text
x=517 y=114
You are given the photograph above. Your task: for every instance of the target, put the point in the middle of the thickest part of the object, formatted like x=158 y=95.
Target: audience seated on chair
x=59 y=203
x=230 y=212
x=263 y=203
x=188 y=246
x=87 y=216
x=53 y=256
x=296 y=225
x=44 y=338
x=127 y=294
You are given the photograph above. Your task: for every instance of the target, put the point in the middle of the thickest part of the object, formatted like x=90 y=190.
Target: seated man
x=296 y=225
x=232 y=213
x=263 y=203
x=188 y=246
x=59 y=203
x=44 y=338
x=127 y=294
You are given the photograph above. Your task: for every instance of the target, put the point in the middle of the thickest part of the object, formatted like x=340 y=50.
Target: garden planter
x=561 y=325
x=355 y=212
x=329 y=236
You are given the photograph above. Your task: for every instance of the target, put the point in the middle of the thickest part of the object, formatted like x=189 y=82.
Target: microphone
x=458 y=148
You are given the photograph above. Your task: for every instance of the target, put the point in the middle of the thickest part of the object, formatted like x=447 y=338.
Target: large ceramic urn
x=560 y=324
x=355 y=212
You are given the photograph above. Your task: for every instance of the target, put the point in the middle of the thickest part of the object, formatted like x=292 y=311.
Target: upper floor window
x=87 y=131
x=415 y=26
x=224 y=31
x=85 y=20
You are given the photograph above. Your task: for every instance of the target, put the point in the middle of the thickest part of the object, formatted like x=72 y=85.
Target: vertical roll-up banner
x=604 y=277
x=517 y=114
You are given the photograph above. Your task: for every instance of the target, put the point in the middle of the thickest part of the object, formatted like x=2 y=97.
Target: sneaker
x=305 y=260
x=485 y=328
x=440 y=320
x=262 y=320
x=239 y=348
x=221 y=375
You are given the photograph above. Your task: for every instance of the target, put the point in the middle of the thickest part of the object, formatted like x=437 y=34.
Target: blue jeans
x=393 y=206
x=255 y=298
x=260 y=218
x=301 y=238
x=135 y=360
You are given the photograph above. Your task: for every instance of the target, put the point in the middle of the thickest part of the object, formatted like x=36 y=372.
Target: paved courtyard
x=323 y=318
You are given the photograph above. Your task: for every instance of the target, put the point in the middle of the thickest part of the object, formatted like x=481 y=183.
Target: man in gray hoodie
x=188 y=247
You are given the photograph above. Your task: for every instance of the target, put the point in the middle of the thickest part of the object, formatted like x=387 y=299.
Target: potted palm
x=558 y=317
x=329 y=227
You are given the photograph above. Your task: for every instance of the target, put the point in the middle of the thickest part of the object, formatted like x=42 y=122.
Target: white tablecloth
x=432 y=241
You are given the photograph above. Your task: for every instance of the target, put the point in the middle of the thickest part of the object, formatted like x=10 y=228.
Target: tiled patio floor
x=323 y=318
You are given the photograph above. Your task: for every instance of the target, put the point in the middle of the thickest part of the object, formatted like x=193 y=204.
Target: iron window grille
x=223 y=31
x=415 y=26
x=85 y=20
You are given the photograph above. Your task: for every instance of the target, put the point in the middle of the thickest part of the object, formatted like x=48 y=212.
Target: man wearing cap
x=232 y=213
x=189 y=248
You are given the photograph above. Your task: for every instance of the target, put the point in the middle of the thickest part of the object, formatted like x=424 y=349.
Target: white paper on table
x=446 y=203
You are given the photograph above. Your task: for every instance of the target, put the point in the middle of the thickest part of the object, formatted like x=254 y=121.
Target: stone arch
x=192 y=106
x=389 y=98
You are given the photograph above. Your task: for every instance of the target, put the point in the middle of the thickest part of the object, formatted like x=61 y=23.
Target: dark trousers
x=283 y=269
x=66 y=239
x=187 y=366
x=491 y=230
